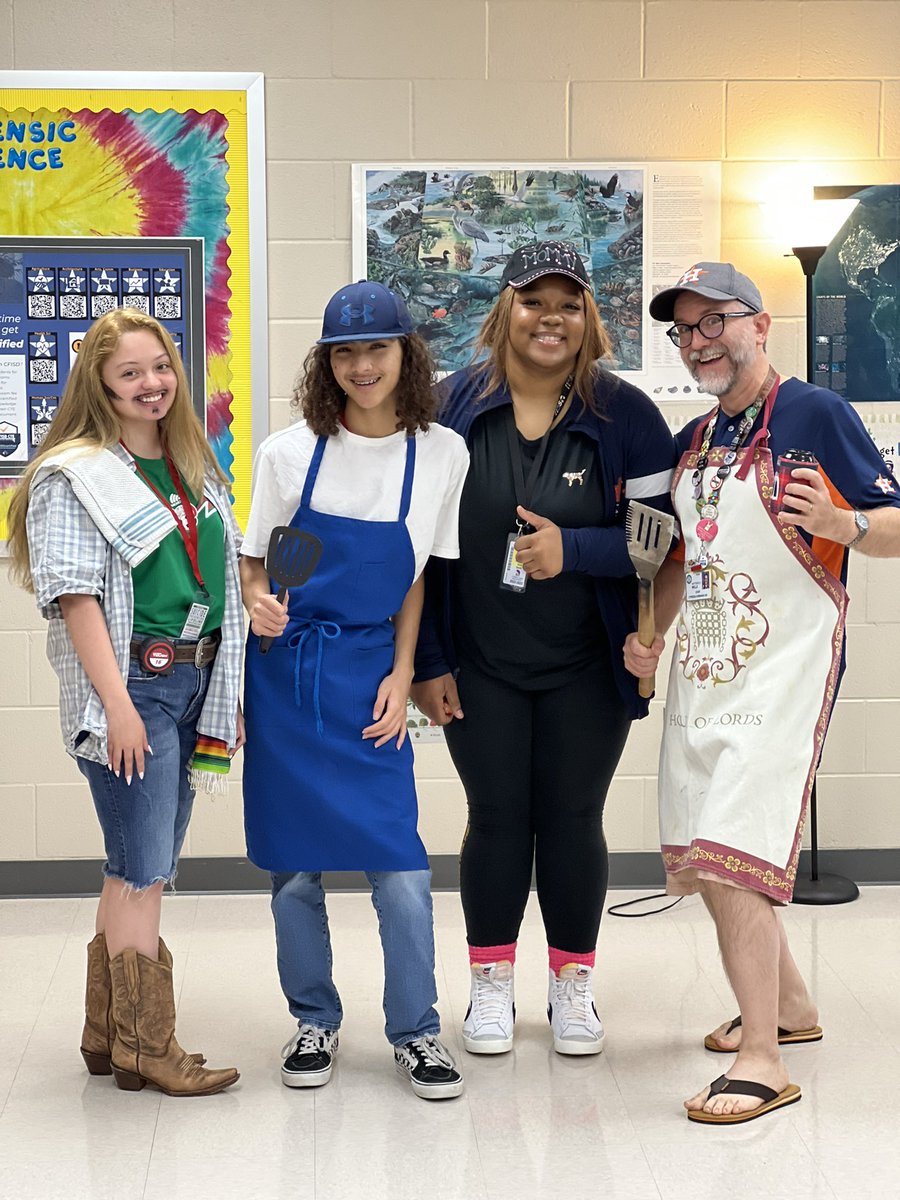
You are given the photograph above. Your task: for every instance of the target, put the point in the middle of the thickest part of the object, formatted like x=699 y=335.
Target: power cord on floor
x=613 y=909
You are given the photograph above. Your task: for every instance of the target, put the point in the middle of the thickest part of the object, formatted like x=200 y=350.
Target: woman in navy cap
x=328 y=783
x=520 y=651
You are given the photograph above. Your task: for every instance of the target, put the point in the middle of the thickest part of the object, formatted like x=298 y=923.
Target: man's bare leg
x=749 y=941
x=796 y=1009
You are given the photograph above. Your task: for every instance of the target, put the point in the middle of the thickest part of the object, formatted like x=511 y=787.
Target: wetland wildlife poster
x=441 y=236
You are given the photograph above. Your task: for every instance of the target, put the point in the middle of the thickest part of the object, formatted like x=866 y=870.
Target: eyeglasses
x=710 y=326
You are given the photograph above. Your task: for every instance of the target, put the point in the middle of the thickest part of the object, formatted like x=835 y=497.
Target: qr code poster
x=50 y=294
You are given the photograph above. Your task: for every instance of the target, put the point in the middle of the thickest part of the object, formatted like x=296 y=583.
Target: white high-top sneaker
x=488 y=1027
x=570 y=1007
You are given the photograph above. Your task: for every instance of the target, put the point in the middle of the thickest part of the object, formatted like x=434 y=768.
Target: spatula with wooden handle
x=290 y=560
x=649 y=534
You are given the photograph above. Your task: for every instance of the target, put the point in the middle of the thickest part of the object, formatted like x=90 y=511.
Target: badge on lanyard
x=187 y=530
x=512 y=577
x=196 y=618
x=698 y=583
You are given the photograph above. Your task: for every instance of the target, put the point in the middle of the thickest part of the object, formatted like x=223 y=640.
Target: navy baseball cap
x=543 y=258
x=715 y=280
x=364 y=312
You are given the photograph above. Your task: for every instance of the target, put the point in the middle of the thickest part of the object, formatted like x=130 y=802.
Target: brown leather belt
x=200 y=653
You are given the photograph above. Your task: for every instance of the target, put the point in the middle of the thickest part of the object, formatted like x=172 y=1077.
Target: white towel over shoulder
x=123 y=508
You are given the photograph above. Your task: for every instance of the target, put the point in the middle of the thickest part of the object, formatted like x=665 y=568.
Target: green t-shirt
x=164 y=583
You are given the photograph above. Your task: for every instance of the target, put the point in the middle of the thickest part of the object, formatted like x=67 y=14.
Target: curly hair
x=318 y=398
x=493 y=343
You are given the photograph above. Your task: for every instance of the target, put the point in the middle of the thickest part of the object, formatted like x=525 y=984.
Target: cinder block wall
x=759 y=84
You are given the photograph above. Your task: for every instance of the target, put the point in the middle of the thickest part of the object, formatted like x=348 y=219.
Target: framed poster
x=163 y=173
x=856 y=300
x=440 y=234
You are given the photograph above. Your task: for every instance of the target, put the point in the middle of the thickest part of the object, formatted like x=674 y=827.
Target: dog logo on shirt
x=574 y=476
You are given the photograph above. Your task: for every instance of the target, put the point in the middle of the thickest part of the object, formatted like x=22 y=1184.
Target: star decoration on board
x=39 y=281
x=42 y=412
x=103 y=281
x=167 y=282
x=43 y=347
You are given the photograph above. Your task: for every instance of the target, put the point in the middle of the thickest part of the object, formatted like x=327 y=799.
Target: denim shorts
x=144 y=822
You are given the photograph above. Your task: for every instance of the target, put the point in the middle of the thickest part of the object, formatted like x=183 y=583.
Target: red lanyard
x=189 y=535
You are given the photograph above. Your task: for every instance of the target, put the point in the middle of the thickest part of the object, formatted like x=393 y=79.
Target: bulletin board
x=174 y=161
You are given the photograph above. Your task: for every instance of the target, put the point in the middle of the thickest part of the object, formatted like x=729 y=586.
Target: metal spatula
x=649 y=534
x=290 y=560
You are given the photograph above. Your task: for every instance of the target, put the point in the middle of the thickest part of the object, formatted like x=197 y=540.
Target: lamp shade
x=799 y=220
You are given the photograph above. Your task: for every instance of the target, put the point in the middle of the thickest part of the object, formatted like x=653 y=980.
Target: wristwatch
x=862 y=527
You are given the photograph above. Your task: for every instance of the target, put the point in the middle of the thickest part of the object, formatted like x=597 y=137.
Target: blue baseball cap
x=364 y=312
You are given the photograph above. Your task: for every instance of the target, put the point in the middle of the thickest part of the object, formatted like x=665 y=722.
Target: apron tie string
x=323 y=630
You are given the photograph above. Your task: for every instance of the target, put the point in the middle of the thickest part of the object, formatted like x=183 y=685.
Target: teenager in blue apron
x=329 y=783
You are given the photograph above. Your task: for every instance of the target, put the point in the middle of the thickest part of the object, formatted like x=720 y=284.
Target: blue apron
x=317 y=797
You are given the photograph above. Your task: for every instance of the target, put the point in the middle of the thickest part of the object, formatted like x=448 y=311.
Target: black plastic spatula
x=290 y=560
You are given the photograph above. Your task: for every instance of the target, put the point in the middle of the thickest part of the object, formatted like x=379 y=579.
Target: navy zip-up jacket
x=635 y=456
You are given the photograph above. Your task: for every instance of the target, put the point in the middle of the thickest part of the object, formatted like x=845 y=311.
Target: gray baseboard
x=641 y=869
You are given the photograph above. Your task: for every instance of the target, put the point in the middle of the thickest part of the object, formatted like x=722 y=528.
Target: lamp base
x=827 y=889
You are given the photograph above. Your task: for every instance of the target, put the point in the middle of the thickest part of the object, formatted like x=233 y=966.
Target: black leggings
x=536 y=767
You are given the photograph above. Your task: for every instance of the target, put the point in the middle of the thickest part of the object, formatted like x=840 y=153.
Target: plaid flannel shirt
x=69 y=556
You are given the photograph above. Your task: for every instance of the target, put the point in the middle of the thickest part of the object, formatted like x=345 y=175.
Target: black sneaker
x=309 y=1057
x=429 y=1067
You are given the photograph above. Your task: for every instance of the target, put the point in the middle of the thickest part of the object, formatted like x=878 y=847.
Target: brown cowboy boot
x=145 y=1050
x=99 y=1027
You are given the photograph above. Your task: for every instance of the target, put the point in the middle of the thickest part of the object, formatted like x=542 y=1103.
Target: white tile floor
x=531 y=1123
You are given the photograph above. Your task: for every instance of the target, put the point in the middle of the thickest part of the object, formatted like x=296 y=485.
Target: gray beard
x=735 y=362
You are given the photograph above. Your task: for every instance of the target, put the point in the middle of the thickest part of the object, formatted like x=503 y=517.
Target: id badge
x=698 y=584
x=512 y=577
x=195 y=620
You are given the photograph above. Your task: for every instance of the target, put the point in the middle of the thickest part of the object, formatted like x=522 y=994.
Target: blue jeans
x=144 y=822
x=402 y=900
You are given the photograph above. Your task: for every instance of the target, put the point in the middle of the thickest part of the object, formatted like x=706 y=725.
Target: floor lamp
x=820 y=887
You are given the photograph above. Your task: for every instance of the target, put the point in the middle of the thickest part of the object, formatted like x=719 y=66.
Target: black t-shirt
x=547 y=635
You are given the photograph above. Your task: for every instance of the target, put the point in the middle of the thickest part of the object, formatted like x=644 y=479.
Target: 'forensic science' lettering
x=30 y=145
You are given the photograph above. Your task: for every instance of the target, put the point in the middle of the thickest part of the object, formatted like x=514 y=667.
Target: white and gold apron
x=751 y=687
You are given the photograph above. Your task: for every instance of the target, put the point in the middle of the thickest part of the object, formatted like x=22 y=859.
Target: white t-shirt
x=362 y=477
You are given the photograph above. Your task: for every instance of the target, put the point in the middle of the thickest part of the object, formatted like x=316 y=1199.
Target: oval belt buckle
x=200 y=659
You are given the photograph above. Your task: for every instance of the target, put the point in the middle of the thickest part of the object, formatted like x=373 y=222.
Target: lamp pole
x=819 y=888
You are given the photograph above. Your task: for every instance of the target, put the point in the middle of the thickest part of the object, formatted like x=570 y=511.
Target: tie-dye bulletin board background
x=175 y=159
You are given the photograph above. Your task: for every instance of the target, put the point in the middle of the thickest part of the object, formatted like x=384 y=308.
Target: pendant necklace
x=708 y=507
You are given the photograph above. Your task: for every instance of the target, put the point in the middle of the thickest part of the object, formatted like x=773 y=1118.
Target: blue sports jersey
x=815 y=419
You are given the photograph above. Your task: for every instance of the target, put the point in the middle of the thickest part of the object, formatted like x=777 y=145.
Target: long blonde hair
x=493 y=343
x=86 y=419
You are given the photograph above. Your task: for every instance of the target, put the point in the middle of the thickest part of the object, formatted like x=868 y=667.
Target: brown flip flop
x=745 y=1087
x=786 y=1037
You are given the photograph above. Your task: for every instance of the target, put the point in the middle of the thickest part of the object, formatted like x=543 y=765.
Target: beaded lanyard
x=708 y=507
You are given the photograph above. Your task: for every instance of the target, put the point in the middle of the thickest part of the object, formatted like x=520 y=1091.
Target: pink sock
x=492 y=954
x=559 y=958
